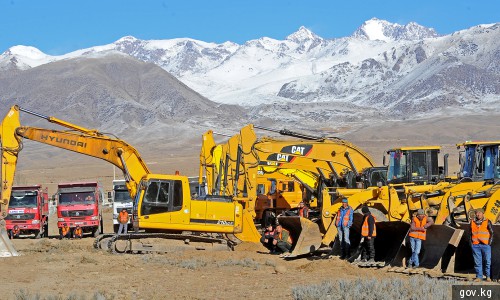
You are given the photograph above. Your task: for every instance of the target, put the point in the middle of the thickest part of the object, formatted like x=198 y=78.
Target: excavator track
x=165 y=242
x=101 y=241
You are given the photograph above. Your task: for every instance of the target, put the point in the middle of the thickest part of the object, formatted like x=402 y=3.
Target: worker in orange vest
x=368 y=233
x=15 y=232
x=418 y=229
x=267 y=238
x=303 y=210
x=78 y=232
x=481 y=233
x=343 y=221
x=65 y=231
x=282 y=240
x=123 y=220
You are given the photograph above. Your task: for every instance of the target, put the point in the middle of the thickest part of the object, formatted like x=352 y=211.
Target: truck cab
x=80 y=203
x=29 y=209
x=121 y=199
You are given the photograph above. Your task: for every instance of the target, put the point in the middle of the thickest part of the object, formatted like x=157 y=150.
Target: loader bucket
x=6 y=247
x=390 y=236
x=435 y=251
x=464 y=263
x=306 y=236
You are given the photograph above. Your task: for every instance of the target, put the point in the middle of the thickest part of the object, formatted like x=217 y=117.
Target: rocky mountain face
x=382 y=71
x=114 y=93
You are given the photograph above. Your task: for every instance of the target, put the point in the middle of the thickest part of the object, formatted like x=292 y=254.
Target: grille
x=77 y=213
x=20 y=217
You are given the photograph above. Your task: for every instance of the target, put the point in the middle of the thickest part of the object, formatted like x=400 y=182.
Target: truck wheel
x=115 y=228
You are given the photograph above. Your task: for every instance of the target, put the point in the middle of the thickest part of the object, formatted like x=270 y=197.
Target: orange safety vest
x=346 y=217
x=480 y=233
x=65 y=230
x=78 y=231
x=301 y=211
x=289 y=240
x=419 y=234
x=123 y=217
x=364 y=229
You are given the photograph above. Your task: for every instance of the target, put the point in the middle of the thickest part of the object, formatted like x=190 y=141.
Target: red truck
x=29 y=209
x=80 y=203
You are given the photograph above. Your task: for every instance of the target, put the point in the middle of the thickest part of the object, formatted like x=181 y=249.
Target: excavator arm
x=77 y=139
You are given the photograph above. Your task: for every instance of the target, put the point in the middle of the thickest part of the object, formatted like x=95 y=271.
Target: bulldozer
x=163 y=206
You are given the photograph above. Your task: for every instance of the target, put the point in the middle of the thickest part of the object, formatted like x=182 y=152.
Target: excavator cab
x=418 y=165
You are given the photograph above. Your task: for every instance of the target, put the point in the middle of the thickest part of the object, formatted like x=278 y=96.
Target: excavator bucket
x=464 y=263
x=305 y=234
x=6 y=247
x=435 y=251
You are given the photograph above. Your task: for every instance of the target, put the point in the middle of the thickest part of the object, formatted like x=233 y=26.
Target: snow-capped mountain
x=402 y=70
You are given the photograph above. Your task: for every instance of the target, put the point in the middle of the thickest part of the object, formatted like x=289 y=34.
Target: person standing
x=368 y=233
x=418 y=230
x=303 y=210
x=481 y=238
x=343 y=222
x=123 y=220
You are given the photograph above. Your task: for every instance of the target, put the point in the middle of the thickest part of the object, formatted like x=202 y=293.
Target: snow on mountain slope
x=401 y=69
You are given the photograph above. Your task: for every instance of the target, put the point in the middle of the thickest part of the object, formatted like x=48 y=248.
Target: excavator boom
x=77 y=139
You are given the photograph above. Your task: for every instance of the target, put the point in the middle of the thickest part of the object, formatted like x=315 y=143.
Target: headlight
x=94 y=218
x=60 y=219
x=35 y=221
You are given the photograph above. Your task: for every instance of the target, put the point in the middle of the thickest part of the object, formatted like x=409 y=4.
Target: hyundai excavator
x=163 y=205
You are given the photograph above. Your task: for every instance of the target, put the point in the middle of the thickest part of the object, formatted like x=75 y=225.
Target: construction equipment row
x=251 y=181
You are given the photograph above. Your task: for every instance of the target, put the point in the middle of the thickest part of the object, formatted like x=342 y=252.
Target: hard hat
x=344 y=200
x=420 y=212
x=365 y=209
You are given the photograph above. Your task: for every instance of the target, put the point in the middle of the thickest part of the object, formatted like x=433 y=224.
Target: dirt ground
x=53 y=268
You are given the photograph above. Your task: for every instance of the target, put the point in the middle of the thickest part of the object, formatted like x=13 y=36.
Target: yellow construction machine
x=162 y=204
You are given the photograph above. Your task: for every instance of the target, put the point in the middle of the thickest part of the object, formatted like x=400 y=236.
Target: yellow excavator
x=163 y=205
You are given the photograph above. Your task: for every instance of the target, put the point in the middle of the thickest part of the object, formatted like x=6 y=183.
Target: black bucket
x=436 y=250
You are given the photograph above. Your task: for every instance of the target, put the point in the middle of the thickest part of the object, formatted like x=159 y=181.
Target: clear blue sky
x=60 y=26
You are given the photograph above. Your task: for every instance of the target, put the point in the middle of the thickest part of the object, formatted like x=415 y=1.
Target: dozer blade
x=435 y=248
x=464 y=263
x=306 y=236
x=6 y=247
x=390 y=236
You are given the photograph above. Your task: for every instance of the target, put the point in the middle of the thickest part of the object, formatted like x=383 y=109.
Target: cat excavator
x=163 y=205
